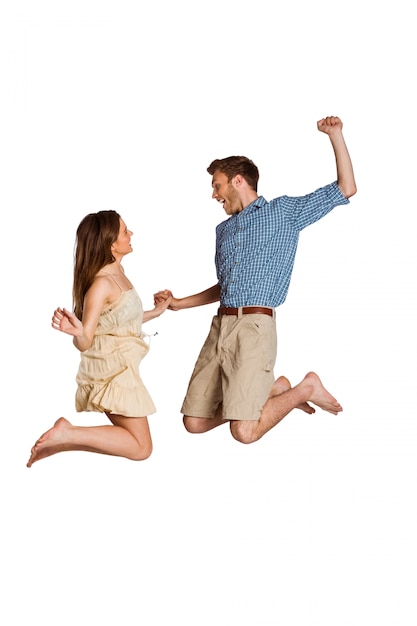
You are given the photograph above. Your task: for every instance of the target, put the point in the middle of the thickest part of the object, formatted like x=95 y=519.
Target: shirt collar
x=253 y=206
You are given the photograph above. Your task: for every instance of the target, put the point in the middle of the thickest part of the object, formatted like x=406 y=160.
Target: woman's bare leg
x=128 y=437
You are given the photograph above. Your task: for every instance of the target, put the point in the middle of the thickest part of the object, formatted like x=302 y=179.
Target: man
x=233 y=380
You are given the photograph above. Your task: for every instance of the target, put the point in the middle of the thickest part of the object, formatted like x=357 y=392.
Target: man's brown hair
x=234 y=165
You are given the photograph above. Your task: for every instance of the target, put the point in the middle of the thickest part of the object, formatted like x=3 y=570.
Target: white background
x=122 y=105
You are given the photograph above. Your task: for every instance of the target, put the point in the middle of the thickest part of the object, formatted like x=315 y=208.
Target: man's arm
x=333 y=126
x=198 y=299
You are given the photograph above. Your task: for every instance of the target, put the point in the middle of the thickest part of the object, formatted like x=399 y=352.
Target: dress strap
x=111 y=275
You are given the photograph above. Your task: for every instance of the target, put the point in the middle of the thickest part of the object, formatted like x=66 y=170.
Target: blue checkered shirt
x=255 y=248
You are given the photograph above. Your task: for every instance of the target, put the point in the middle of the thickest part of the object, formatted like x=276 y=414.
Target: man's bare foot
x=320 y=396
x=283 y=384
x=51 y=442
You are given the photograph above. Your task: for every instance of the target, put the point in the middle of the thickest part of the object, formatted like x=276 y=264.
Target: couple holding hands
x=233 y=379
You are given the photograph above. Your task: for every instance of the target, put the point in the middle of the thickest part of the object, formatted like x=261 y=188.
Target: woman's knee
x=142 y=452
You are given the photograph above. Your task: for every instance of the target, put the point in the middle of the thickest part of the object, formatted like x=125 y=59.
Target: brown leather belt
x=227 y=310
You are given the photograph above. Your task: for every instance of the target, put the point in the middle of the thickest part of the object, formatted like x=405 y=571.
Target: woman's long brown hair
x=95 y=235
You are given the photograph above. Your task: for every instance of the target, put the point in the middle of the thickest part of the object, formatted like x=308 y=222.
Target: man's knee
x=244 y=431
x=194 y=424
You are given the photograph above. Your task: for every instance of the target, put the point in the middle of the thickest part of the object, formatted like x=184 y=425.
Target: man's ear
x=237 y=180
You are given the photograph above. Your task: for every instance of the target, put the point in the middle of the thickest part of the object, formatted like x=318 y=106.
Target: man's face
x=226 y=193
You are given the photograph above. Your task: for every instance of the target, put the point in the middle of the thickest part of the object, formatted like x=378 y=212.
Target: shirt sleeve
x=302 y=211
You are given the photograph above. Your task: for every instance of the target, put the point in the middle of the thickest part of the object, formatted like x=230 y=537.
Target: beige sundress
x=108 y=376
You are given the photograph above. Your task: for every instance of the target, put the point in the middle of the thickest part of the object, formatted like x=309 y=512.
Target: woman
x=106 y=329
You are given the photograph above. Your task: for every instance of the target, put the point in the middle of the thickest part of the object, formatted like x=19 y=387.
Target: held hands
x=166 y=296
x=162 y=303
x=330 y=125
x=67 y=322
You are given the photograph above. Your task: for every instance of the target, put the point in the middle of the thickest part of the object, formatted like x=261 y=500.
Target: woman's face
x=122 y=244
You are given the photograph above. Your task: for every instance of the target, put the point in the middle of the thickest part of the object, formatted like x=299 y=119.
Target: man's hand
x=330 y=125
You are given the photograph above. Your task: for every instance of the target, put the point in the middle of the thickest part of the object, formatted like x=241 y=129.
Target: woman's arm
x=83 y=330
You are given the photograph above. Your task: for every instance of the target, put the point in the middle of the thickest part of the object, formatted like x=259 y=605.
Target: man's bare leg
x=283 y=384
x=310 y=389
x=198 y=425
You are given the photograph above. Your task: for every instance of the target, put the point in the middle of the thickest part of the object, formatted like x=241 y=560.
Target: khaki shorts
x=235 y=367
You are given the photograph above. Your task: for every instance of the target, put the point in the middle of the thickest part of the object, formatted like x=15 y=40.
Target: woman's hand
x=67 y=322
x=162 y=301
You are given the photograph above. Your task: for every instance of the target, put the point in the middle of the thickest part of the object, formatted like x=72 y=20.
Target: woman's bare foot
x=283 y=384
x=320 y=396
x=51 y=442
